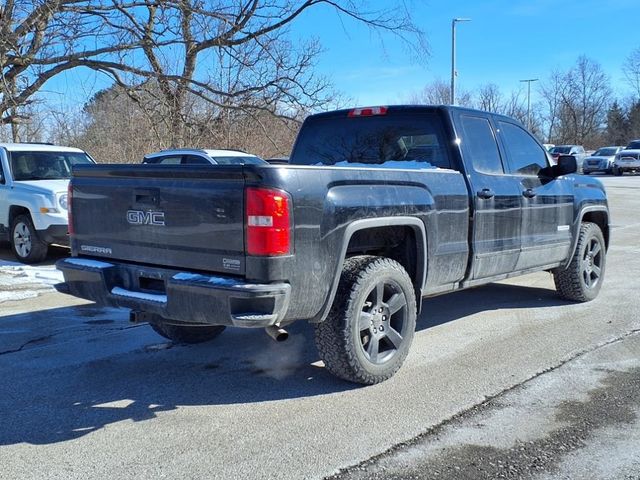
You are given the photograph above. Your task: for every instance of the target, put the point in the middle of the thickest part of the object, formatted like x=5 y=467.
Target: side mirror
x=566 y=164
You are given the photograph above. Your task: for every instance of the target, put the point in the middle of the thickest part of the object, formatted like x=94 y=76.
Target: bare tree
x=585 y=102
x=631 y=70
x=551 y=91
x=40 y=39
x=438 y=92
x=167 y=44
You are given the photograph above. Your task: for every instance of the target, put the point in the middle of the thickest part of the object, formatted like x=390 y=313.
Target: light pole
x=453 y=56
x=529 y=80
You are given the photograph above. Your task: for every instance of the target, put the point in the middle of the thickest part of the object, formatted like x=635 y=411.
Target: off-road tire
x=25 y=242
x=340 y=339
x=187 y=333
x=582 y=279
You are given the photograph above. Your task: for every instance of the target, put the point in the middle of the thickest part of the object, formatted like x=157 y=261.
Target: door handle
x=486 y=193
x=529 y=193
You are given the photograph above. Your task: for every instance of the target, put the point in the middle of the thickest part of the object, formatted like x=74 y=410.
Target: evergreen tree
x=633 y=121
x=617 y=131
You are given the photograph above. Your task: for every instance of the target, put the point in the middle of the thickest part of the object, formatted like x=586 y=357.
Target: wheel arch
x=418 y=239
x=17 y=210
x=594 y=214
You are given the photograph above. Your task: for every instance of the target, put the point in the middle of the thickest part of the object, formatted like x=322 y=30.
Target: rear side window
x=526 y=157
x=169 y=160
x=479 y=144
x=399 y=140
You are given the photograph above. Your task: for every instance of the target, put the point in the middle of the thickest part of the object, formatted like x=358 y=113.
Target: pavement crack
x=439 y=427
x=32 y=341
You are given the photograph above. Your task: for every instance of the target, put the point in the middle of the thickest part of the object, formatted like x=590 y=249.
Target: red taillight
x=69 y=202
x=268 y=222
x=368 y=111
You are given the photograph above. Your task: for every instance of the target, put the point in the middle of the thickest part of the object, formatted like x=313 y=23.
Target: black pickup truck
x=377 y=208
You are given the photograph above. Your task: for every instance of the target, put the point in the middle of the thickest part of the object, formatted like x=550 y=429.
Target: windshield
x=560 y=150
x=45 y=165
x=394 y=140
x=605 y=152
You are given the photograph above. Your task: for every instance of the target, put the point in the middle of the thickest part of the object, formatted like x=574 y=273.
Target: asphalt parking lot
x=493 y=371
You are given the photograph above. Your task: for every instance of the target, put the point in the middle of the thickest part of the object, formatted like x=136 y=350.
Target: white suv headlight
x=63 y=201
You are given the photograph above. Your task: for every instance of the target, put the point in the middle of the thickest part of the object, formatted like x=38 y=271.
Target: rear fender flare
x=421 y=254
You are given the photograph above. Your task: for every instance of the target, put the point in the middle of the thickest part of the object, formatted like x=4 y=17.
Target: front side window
x=45 y=165
x=195 y=160
x=479 y=144
x=526 y=157
x=605 y=152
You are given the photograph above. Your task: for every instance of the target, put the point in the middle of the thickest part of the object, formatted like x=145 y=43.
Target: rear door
x=183 y=216
x=547 y=205
x=497 y=218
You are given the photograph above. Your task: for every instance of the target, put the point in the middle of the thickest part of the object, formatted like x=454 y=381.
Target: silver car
x=601 y=160
x=627 y=161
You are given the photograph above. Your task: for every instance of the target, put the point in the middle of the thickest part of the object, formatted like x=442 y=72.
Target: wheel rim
x=382 y=322
x=592 y=263
x=22 y=239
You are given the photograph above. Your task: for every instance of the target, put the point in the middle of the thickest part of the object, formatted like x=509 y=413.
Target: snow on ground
x=19 y=281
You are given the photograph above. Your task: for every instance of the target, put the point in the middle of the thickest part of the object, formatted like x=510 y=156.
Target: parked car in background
x=601 y=160
x=633 y=145
x=278 y=160
x=548 y=146
x=188 y=156
x=628 y=160
x=576 y=150
x=33 y=196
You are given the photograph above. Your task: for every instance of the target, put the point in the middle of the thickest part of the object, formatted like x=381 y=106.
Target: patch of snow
x=409 y=164
x=19 y=281
x=221 y=281
x=85 y=262
x=121 y=292
x=12 y=296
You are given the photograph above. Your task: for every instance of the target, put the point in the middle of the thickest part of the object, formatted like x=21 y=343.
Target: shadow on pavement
x=94 y=369
x=8 y=259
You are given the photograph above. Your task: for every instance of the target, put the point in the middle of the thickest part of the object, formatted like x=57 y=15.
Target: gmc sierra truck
x=377 y=208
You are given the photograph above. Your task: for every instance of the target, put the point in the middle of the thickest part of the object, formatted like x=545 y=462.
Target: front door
x=547 y=205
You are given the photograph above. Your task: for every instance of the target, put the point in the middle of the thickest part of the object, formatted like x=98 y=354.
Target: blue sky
x=506 y=41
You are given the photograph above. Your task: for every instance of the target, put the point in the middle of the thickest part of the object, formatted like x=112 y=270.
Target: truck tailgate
x=189 y=217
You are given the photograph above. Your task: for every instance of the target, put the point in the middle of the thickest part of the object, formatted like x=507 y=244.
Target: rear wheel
x=367 y=335
x=187 y=333
x=582 y=279
x=25 y=243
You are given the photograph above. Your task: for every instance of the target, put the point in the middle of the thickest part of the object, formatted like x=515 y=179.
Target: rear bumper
x=184 y=297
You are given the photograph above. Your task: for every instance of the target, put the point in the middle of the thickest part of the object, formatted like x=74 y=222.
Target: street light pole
x=453 y=56
x=529 y=80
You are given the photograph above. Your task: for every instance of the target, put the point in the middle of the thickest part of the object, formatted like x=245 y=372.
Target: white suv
x=33 y=196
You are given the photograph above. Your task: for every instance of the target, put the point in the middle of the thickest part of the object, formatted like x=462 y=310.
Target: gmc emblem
x=139 y=217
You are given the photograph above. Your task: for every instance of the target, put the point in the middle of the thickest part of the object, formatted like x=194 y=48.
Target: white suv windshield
x=26 y=165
